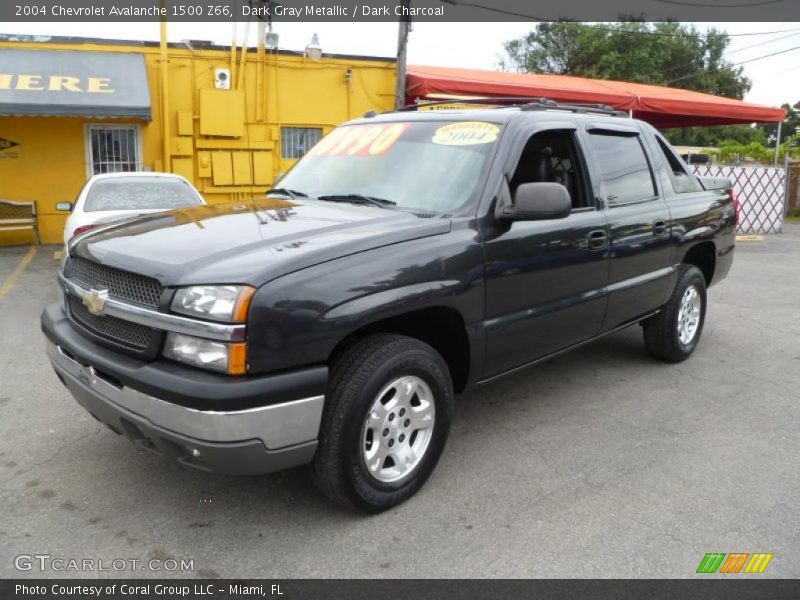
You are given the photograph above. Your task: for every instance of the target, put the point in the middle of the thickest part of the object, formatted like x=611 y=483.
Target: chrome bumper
x=257 y=440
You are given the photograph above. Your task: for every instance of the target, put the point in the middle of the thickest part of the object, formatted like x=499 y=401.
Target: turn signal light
x=237 y=359
x=243 y=304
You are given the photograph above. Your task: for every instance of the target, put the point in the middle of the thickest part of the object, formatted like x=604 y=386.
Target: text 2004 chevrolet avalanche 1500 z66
x=407 y=257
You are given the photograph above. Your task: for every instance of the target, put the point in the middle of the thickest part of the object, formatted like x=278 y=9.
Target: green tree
x=667 y=53
x=713 y=136
x=790 y=127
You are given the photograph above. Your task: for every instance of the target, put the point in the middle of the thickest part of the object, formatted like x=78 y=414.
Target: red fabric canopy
x=659 y=106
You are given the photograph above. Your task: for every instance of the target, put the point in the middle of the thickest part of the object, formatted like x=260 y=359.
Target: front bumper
x=253 y=440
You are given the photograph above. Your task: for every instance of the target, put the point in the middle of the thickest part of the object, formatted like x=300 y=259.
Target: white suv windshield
x=426 y=166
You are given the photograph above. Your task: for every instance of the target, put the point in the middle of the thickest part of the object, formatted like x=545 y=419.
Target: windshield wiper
x=358 y=199
x=293 y=194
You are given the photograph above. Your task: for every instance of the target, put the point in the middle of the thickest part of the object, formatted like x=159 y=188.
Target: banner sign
x=409 y=589
x=63 y=83
x=359 y=140
x=383 y=10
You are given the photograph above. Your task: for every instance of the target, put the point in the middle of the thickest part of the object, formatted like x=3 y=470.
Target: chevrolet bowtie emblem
x=95 y=301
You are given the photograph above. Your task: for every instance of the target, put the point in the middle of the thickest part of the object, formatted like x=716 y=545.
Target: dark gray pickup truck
x=407 y=257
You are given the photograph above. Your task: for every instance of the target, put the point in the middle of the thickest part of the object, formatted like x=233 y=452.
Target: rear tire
x=673 y=334
x=385 y=423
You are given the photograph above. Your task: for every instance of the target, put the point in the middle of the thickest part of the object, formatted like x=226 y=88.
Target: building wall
x=226 y=142
x=48 y=167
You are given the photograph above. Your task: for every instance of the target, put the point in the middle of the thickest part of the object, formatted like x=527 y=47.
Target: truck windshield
x=425 y=166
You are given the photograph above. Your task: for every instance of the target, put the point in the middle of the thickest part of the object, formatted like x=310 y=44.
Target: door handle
x=598 y=239
x=659 y=228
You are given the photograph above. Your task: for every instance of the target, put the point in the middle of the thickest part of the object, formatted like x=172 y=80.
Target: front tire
x=673 y=334
x=385 y=423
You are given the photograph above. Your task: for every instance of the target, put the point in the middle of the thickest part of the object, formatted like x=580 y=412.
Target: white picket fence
x=761 y=192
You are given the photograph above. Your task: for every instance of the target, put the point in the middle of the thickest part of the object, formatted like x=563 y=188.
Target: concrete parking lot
x=601 y=463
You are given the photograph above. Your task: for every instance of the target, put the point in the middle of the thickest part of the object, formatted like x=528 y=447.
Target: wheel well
x=704 y=257
x=440 y=327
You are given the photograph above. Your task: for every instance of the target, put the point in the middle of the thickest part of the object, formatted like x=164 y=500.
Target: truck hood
x=248 y=242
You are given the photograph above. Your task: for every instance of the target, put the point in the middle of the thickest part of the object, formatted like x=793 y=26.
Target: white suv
x=114 y=196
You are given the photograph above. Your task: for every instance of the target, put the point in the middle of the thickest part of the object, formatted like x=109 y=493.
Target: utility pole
x=163 y=48
x=262 y=31
x=402 y=48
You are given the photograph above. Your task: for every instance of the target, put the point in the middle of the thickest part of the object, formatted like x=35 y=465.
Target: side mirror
x=65 y=206
x=538 y=201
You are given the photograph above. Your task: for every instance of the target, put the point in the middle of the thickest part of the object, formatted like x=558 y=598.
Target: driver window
x=552 y=156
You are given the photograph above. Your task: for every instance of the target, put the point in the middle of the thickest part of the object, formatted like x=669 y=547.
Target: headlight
x=207 y=354
x=218 y=302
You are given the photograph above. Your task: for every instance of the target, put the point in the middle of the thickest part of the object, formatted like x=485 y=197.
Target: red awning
x=659 y=106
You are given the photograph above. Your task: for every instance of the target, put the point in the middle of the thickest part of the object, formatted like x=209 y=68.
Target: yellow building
x=70 y=108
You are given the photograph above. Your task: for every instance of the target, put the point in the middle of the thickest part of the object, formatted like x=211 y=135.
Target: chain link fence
x=761 y=192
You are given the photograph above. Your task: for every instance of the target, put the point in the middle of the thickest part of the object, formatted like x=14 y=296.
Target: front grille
x=120 y=284
x=130 y=334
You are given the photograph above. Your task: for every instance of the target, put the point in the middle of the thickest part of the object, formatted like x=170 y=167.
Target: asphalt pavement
x=601 y=463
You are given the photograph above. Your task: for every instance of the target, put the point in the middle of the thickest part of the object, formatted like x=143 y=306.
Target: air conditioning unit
x=222 y=78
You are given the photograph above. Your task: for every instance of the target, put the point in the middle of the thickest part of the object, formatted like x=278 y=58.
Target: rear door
x=545 y=279
x=638 y=222
x=697 y=215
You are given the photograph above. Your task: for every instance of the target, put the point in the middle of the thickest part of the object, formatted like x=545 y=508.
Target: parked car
x=115 y=196
x=407 y=257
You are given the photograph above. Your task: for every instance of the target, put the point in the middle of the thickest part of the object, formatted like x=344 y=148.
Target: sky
x=776 y=79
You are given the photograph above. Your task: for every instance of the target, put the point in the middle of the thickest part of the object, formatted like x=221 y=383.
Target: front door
x=545 y=280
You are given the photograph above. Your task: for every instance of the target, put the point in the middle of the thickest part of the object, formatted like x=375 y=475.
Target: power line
x=739 y=5
x=764 y=43
x=664 y=34
x=744 y=62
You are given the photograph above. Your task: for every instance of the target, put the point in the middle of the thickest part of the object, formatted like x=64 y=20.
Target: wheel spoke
x=376 y=416
x=404 y=457
x=406 y=389
x=422 y=416
x=375 y=457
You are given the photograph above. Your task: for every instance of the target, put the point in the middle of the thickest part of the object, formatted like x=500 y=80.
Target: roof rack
x=501 y=102
x=523 y=103
x=578 y=107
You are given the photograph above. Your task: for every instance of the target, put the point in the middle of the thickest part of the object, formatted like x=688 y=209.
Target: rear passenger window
x=681 y=181
x=624 y=168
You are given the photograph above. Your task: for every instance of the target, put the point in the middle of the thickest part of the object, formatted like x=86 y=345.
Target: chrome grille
x=125 y=332
x=120 y=284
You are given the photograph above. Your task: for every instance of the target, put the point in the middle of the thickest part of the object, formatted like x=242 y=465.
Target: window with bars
x=296 y=141
x=113 y=149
